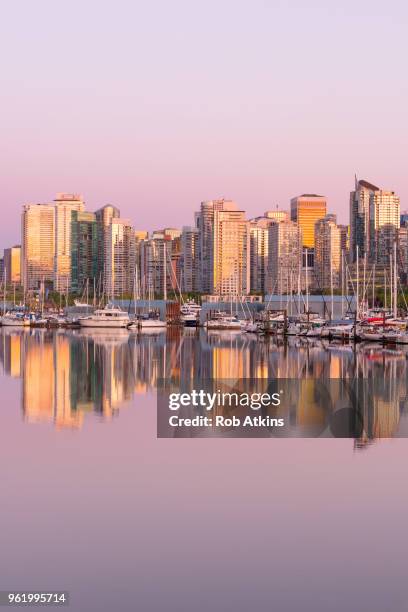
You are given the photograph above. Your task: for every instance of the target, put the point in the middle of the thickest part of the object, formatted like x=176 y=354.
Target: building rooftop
x=368 y=185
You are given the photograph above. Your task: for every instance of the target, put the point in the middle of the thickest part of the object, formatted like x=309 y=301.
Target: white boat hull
x=152 y=324
x=372 y=337
x=106 y=324
x=6 y=322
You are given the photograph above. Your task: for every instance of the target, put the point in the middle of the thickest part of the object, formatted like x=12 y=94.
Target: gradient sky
x=155 y=106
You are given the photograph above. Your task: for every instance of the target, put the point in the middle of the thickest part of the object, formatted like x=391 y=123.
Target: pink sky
x=157 y=106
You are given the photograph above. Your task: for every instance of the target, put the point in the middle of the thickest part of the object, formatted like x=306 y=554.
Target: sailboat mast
x=164 y=271
x=373 y=300
x=307 y=281
x=385 y=289
x=342 y=283
x=395 y=279
x=358 y=284
x=331 y=287
x=391 y=284
x=4 y=292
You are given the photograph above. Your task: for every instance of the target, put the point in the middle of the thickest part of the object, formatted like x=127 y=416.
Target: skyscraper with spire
x=360 y=218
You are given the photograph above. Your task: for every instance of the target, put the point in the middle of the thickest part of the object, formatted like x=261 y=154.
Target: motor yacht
x=110 y=316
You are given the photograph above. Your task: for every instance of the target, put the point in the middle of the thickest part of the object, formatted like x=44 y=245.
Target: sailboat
x=149 y=320
x=12 y=318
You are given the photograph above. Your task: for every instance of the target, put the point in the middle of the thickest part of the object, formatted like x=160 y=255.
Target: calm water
x=94 y=503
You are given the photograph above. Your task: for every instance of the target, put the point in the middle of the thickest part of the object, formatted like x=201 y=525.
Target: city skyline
x=161 y=107
x=251 y=213
x=223 y=253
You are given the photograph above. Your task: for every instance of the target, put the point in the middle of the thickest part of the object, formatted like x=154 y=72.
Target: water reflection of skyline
x=67 y=375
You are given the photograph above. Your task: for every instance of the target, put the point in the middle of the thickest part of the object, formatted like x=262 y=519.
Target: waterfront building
x=285 y=257
x=403 y=253
x=327 y=256
x=344 y=240
x=120 y=258
x=12 y=265
x=259 y=239
x=277 y=215
x=161 y=258
x=404 y=219
x=190 y=281
x=141 y=236
x=360 y=219
x=84 y=251
x=104 y=217
x=231 y=253
x=206 y=225
x=152 y=266
x=65 y=205
x=385 y=238
x=172 y=232
x=305 y=210
x=37 y=245
x=384 y=215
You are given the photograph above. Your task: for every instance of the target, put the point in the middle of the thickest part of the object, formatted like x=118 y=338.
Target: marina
x=373 y=325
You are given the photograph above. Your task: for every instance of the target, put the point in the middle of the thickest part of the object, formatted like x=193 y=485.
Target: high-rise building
x=12 y=265
x=190 y=259
x=104 y=217
x=344 y=240
x=385 y=238
x=141 y=236
x=161 y=258
x=259 y=238
x=231 y=253
x=154 y=264
x=404 y=219
x=84 y=251
x=305 y=210
x=327 y=257
x=65 y=205
x=172 y=232
x=120 y=258
x=384 y=216
x=285 y=257
x=403 y=253
x=360 y=219
x=277 y=214
x=174 y=273
x=37 y=245
x=205 y=223
x=1 y=269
